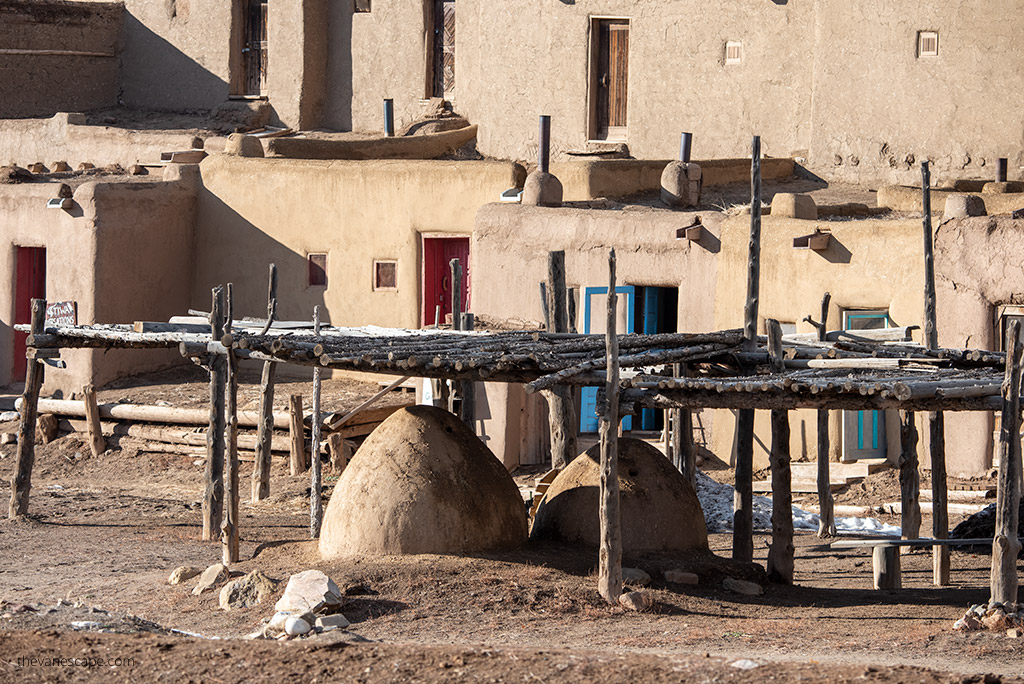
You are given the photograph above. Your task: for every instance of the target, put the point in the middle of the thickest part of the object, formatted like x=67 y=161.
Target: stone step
x=798 y=486
x=839 y=471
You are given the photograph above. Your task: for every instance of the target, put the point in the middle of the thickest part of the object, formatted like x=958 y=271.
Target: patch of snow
x=716 y=499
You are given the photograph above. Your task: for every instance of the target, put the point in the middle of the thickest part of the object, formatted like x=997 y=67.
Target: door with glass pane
x=864 y=431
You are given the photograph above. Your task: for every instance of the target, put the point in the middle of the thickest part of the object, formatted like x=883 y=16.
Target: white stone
x=296 y=626
x=329 y=622
x=744 y=664
x=680 y=577
x=182 y=574
x=310 y=590
x=636 y=600
x=211 y=577
x=742 y=587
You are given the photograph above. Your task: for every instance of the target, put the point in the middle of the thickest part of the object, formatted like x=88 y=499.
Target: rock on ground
x=310 y=591
x=182 y=574
x=246 y=591
x=680 y=577
x=636 y=600
x=635 y=576
x=742 y=587
x=211 y=577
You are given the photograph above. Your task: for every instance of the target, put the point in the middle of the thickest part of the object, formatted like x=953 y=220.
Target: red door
x=437 y=275
x=31 y=284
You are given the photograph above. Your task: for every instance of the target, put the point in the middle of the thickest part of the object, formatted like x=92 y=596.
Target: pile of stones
x=993 y=616
x=310 y=605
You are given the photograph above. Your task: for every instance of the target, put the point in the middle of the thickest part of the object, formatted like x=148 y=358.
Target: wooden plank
x=153 y=414
x=1006 y=546
x=910 y=479
x=92 y=418
x=913 y=543
x=170 y=434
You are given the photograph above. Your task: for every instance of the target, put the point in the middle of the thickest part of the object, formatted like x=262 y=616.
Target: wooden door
x=437 y=276
x=254 y=48
x=30 y=284
x=864 y=431
x=611 y=74
x=595 y=317
x=444 y=49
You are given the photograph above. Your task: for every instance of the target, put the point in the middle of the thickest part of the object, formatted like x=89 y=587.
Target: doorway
x=253 y=60
x=442 y=59
x=609 y=85
x=437 y=276
x=30 y=269
x=864 y=431
x=643 y=309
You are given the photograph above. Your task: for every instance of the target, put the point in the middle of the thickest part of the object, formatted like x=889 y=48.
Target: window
x=1007 y=314
x=317 y=270
x=385 y=275
x=927 y=43
x=734 y=52
x=362 y=5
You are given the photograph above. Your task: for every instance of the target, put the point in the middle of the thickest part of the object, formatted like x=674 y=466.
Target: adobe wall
x=26 y=141
x=647 y=254
x=256 y=211
x=870 y=264
x=176 y=54
x=111 y=226
x=57 y=56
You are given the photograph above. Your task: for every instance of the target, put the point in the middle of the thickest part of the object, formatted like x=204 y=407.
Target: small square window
x=317 y=270
x=362 y=5
x=734 y=52
x=927 y=43
x=385 y=275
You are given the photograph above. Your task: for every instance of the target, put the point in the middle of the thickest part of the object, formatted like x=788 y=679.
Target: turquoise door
x=864 y=431
x=652 y=305
x=594 y=316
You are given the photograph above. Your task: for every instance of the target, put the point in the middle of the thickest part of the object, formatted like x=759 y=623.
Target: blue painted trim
x=860 y=430
x=874 y=429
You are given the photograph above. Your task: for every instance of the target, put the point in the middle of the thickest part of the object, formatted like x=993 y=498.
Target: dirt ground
x=85 y=577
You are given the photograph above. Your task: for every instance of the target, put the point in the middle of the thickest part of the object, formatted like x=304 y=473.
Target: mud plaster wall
x=870 y=264
x=26 y=141
x=256 y=211
x=978 y=267
x=647 y=254
x=818 y=79
x=105 y=255
x=176 y=54
x=372 y=56
x=33 y=83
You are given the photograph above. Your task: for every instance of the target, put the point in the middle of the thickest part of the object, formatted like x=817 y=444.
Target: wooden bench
x=885 y=557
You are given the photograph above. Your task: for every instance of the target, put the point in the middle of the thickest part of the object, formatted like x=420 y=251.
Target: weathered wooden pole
x=213 y=497
x=316 y=506
x=743 y=500
x=97 y=443
x=1006 y=545
x=609 y=581
x=561 y=405
x=910 y=481
x=260 y=485
x=456 y=293
x=682 y=435
x=781 y=551
x=936 y=421
x=826 y=504
x=467 y=409
x=21 y=483
x=229 y=524
x=296 y=434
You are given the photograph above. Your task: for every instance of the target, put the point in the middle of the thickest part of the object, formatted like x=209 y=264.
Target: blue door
x=594 y=313
x=864 y=431
x=652 y=304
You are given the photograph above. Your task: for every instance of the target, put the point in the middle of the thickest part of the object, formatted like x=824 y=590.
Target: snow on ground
x=717 y=500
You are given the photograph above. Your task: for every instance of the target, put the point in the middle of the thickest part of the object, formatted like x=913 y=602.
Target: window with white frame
x=734 y=52
x=927 y=43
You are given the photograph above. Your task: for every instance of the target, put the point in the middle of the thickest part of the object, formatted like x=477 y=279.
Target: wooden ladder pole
x=97 y=443
x=910 y=480
x=609 y=581
x=229 y=526
x=826 y=504
x=213 y=478
x=781 y=552
x=21 y=483
x=1006 y=545
x=316 y=506
x=296 y=434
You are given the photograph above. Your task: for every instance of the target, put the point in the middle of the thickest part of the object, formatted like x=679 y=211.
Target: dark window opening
x=317 y=270
x=385 y=275
x=362 y=5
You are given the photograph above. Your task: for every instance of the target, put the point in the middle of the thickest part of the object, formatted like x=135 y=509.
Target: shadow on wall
x=230 y=249
x=337 y=114
x=157 y=75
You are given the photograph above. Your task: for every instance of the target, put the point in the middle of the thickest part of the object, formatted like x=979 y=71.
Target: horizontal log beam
x=697 y=399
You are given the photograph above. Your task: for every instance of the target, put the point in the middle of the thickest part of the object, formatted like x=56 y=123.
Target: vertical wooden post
x=316 y=506
x=229 y=524
x=21 y=483
x=910 y=481
x=743 y=501
x=260 y=485
x=886 y=567
x=781 y=552
x=340 y=453
x=609 y=581
x=456 y=293
x=1006 y=545
x=936 y=422
x=571 y=308
x=561 y=406
x=683 y=435
x=213 y=497
x=467 y=409
x=826 y=504
x=97 y=444
x=296 y=433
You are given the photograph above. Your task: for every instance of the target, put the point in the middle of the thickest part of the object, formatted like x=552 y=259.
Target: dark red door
x=31 y=284
x=437 y=275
